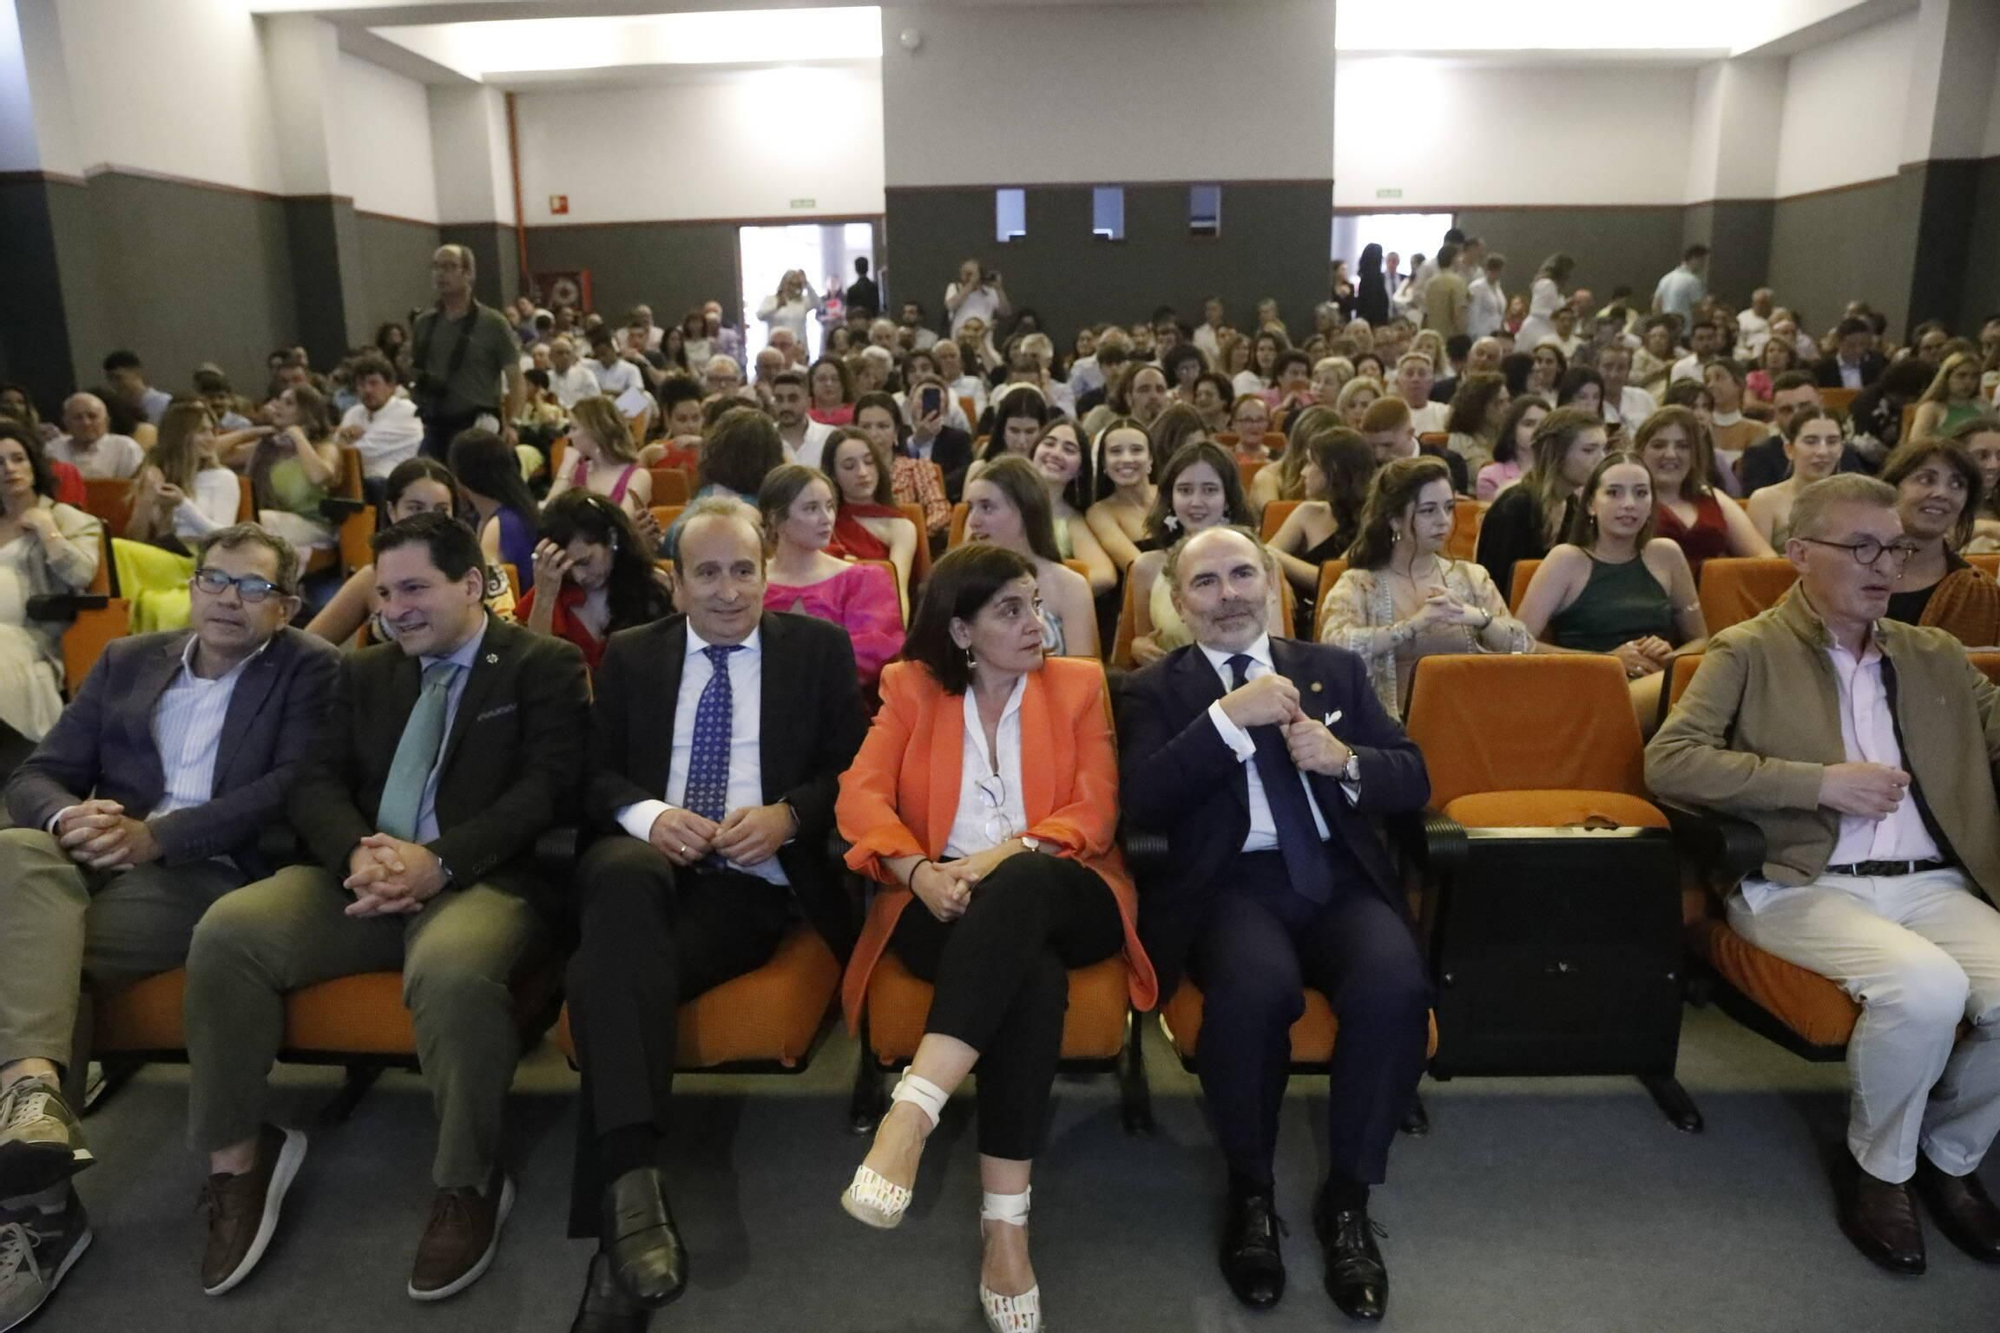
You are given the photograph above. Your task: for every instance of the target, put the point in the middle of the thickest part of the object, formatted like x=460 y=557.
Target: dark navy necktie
x=1291 y=809
x=707 y=792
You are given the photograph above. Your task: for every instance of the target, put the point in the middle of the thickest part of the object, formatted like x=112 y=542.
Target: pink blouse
x=861 y=599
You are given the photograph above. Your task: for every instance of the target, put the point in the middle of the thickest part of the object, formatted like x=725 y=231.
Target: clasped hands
x=390 y=877
x=1644 y=656
x=747 y=836
x=100 y=835
x=946 y=887
x=1273 y=701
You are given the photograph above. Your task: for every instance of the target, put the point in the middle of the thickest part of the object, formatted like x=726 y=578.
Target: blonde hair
x=606 y=424
x=1940 y=390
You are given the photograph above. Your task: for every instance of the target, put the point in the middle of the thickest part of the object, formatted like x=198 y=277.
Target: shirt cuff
x=637 y=818
x=56 y=818
x=1235 y=737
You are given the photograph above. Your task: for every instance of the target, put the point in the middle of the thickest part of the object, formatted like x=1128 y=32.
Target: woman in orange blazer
x=986 y=799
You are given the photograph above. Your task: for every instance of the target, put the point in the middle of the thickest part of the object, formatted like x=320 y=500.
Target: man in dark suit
x=1263 y=761
x=450 y=751
x=1855 y=364
x=140 y=808
x=717 y=745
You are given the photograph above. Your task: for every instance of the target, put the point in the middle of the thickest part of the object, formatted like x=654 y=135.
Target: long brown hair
x=1583 y=524
x=1346 y=465
x=884 y=484
x=1701 y=450
x=1395 y=488
x=1544 y=477
x=174 y=452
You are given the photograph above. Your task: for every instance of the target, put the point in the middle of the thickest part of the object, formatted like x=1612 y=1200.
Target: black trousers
x=653 y=936
x=1262 y=945
x=1001 y=973
x=441 y=427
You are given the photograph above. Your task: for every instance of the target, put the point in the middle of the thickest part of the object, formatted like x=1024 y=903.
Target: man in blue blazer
x=141 y=807
x=1264 y=762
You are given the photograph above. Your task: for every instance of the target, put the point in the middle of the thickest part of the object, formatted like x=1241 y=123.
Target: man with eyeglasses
x=139 y=809
x=1862 y=748
x=716 y=748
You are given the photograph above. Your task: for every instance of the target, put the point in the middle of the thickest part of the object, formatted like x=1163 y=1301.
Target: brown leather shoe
x=1962 y=1209
x=1881 y=1220
x=243 y=1210
x=460 y=1238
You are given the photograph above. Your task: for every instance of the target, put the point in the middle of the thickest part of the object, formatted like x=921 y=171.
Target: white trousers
x=1920 y=954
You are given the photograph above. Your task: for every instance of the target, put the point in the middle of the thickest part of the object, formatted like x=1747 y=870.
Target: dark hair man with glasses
x=1862 y=748
x=139 y=809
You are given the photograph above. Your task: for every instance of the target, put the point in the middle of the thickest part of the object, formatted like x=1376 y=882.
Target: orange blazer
x=901 y=793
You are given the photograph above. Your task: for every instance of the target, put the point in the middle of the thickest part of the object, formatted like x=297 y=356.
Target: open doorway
x=824 y=251
x=1406 y=235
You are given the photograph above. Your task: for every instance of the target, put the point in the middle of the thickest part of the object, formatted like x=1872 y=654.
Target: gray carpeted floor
x=1532 y=1205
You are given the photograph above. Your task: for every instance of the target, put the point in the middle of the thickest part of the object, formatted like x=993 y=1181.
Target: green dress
x=1620 y=603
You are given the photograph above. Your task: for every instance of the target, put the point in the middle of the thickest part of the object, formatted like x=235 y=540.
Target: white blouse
x=989 y=786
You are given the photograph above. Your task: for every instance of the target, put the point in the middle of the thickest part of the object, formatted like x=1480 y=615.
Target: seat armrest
x=1720 y=844
x=1435 y=842
x=1143 y=851
x=337 y=509
x=65 y=606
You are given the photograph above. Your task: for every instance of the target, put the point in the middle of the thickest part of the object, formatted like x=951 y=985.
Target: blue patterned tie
x=1291 y=809
x=708 y=765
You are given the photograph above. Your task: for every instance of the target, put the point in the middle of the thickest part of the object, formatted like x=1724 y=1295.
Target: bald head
x=1221 y=583
x=85 y=418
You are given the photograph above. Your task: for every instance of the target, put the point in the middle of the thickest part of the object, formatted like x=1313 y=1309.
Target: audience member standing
x=789 y=308
x=1486 y=300
x=1684 y=288
x=461 y=353
x=976 y=295
x=862 y=293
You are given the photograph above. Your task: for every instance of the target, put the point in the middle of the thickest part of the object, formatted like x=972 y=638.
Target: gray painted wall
x=1841 y=245
x=1613 y=247
x=1274 y=241
x=395 y=275
x=1981 y=296
x=670 y=266
x=1738 y=233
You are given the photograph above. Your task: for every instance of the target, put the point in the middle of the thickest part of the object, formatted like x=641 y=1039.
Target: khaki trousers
x=457 y=957
x=61 y=924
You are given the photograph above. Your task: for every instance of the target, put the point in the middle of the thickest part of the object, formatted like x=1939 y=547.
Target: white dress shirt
x=573 y=385
x=980 y=303
x=1754 y=329
x=1486 y=307
x=388 y=437
x=187 y=730
x=1430 y=419
x=617 y=378
x=978 y=818
x=113 y=456
x=464 y=656
x=746 y=737
x=1634 y=405
x=1687 y=368
x=1263 y=836
x=812 y=445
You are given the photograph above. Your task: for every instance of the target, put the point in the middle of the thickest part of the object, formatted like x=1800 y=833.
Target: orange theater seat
x=1275 y=514
x=1247 y=470
x=1329 y=574
x=958 y=513
x=1523 y=575
x=1466 y=516
x=1989 y=663
x=772 y=1015
x=1812 y=1007
x=1312 y=1036
x=109 y=500
x=670 y=486
x=1987 y=562
x=1093 y=1027
x=1734 y=590
x=1121 y=643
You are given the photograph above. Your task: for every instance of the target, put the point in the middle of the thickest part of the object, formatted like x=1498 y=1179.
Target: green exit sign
x=1388 y=194
x=805 y=203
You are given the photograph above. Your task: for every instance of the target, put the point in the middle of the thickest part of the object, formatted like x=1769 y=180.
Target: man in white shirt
x=1681 y=290
x=794 y=351
x=1626 y=403
x=1754 y=325
x=569 y=379
x=1703 y=339
x=383 y=427
x=1414 y=374
x=951 y=369
x=1207 y=333
x=922 y=338
x=804 y=439
x=616 y=377
x=1487 y=307
x=1881 y=854
x=90 y=447
x=976 y=295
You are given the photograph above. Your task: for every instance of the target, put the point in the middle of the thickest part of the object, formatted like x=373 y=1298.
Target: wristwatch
x=1351 y=770
x=1032 y=844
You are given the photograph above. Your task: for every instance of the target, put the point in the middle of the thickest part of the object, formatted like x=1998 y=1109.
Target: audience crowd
x=722 y=615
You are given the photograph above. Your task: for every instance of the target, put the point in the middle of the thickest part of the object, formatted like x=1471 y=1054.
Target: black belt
x=1885 y=869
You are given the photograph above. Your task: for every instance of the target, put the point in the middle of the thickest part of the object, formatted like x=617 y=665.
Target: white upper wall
x=1446 y=133
x=1082 y=94
x=382 y=142
x=1843 y=117
x=737 y=144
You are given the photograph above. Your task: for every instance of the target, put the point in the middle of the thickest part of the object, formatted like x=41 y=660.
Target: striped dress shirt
x=187 y=730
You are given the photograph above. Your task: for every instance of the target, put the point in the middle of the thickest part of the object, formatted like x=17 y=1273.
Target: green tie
x=416 y=754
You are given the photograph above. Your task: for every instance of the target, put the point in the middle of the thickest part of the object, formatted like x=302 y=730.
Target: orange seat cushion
x=1093 y=1028
x=1312 y=1036
x=772 y=1013
x=1553 y=809
x=1803 y=1001
x=144 y=1016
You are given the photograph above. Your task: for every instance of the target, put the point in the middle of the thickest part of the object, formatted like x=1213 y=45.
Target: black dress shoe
x=1962 y=1209
x=606 y=1308
x=1252 y=1263
x=640 y=1237
x=1881 y=1220
x=1356 y=1277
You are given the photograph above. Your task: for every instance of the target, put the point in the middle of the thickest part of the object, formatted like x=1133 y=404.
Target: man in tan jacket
x=1863 y=749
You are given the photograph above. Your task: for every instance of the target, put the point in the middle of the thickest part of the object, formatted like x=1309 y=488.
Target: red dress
x=1707 y=540
x=566 y=624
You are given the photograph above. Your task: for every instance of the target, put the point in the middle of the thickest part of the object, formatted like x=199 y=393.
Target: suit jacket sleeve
x=1167 y=770
x=234 y=818
x=1690 y=761
x=611 y=787
x=839 y=731
x=555 y=718
x=322 y=806
x=1086 y=826
x=64 y=768
x=1393 y=776
x=866 y=808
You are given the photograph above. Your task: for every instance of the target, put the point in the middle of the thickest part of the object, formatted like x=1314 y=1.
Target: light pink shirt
x=1868 y=733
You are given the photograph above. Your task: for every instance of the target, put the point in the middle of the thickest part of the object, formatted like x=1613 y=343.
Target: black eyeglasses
x=248 y=587
x=1867 y=551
